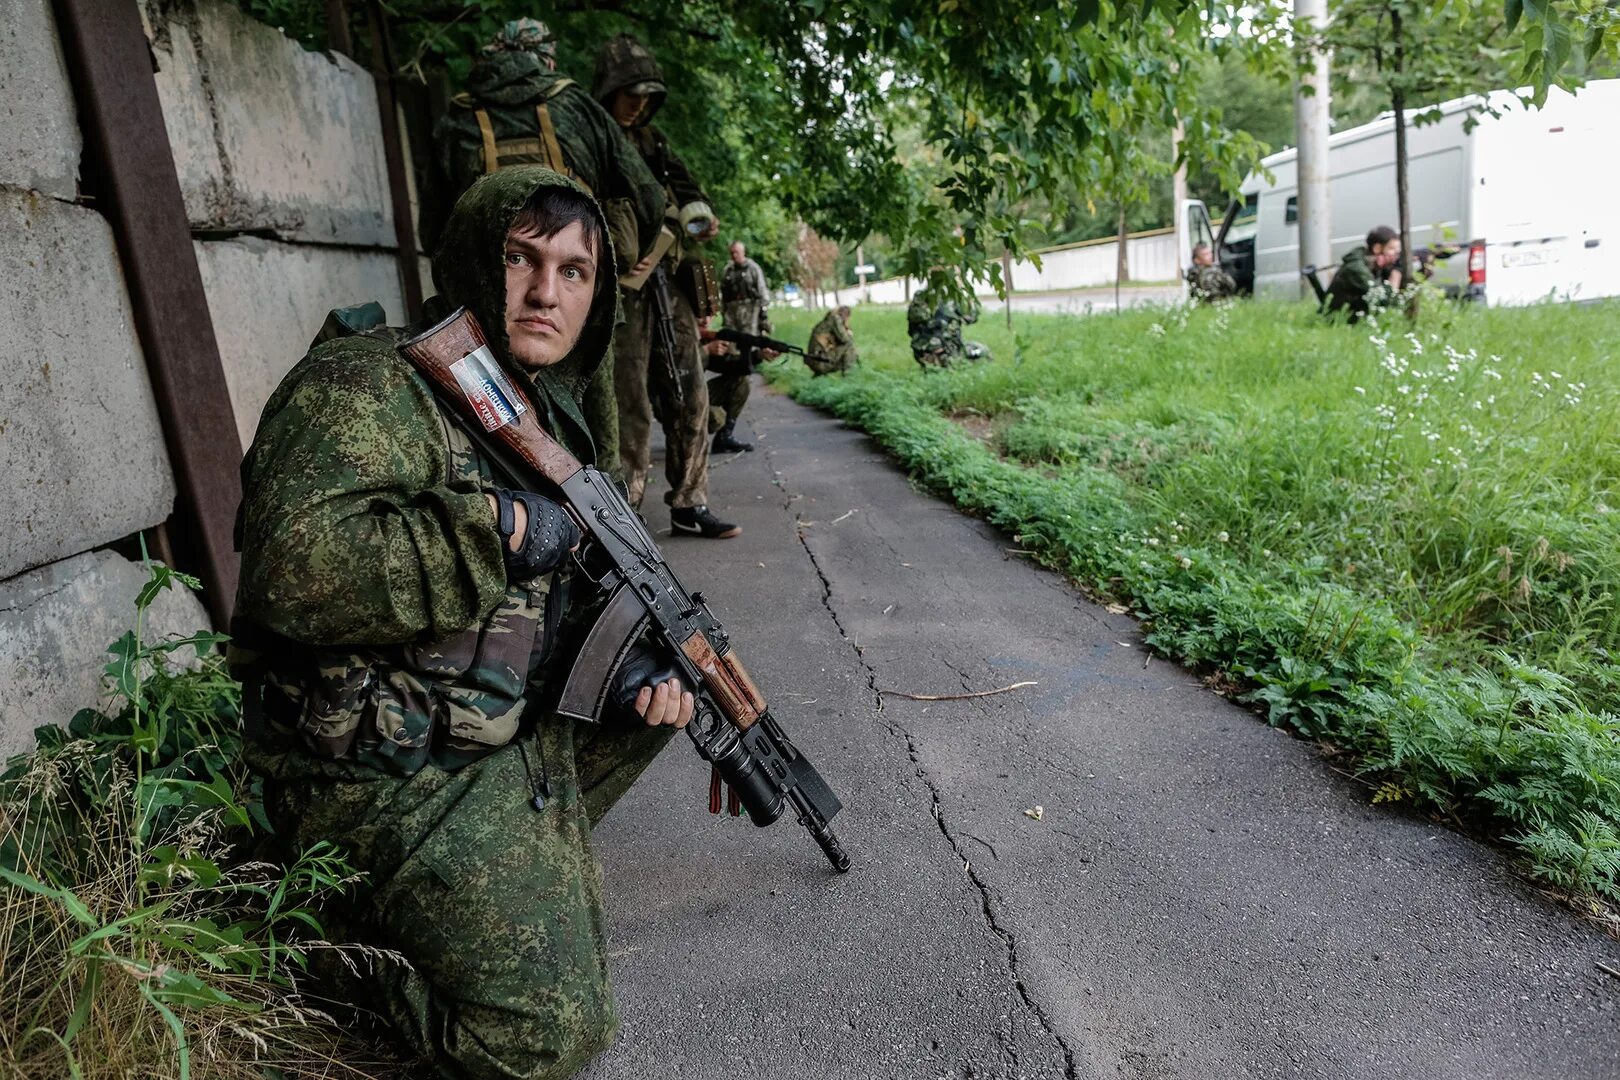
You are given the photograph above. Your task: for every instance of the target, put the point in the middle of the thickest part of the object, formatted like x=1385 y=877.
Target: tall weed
x=135 y=939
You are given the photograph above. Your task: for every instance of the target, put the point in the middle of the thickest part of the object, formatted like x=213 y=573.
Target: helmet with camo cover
x=524 y=35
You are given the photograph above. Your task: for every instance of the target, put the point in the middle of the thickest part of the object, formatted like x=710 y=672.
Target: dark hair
x=1381 y=234
x=550 y=210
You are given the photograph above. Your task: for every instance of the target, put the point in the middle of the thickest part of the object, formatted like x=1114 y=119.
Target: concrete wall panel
x=55 y=625
x=39 y=133
x=266 y=135
x=268 y=300
x=82 y=458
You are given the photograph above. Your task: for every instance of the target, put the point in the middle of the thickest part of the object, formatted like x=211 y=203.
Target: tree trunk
x=1312 y=109
x=1122 y=269
x=1398 y=101
x=1006 y=280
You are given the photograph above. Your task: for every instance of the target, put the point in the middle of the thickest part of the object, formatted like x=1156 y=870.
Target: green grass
x=1400 y=545
x=139 y=935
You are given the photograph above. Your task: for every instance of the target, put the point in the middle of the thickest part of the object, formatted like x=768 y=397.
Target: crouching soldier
x=407 y=611
x=832 y=344
x=1206 y=282
x=934 y=322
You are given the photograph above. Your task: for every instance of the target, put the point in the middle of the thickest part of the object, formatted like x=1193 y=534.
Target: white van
x=1526 y=194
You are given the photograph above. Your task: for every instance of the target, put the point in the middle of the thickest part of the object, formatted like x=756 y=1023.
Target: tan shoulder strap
x=548 y=139
x=492 y=158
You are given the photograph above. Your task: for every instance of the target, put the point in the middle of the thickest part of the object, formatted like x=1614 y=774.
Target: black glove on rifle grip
x=550 y=535
x=643 y=665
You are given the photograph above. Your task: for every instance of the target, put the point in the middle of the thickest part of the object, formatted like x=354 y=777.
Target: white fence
x=1151 y=256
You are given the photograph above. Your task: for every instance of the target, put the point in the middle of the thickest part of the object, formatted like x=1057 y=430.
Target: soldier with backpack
x=519 y=110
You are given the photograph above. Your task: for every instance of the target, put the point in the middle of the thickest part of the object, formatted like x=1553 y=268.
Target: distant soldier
x=1208 y=282
x=517 y=110
x=832 y=344
x=1368 y=278
x=745 y=294
x=934 y=322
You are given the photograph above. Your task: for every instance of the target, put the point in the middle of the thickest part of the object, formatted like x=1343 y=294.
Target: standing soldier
x=517 y=110
x=745 y=295
x=630 y=85
x=832 y=344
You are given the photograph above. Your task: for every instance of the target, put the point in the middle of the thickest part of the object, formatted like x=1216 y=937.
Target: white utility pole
x=1178 y=199
x=1312 y=109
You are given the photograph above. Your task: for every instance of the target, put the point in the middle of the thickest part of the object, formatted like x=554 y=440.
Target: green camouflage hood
x=469 y=268
x=625 y=62
x=509 y=78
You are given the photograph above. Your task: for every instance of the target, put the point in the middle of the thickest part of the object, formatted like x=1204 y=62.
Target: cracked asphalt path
x=1201 y=897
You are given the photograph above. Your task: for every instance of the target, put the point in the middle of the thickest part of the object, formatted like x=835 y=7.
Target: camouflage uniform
x=935 y=325
x=392 y=701
x=1210 y=283
x=639 y=382
x=501 y=120
x=624 y=62
x=745 y=295
x=831 y=347
x=1357 y=286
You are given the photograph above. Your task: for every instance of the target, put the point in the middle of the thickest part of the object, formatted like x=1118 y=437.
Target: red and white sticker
x=488 y=390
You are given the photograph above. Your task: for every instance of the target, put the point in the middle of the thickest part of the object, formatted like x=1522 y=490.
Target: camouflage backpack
x=539 y=147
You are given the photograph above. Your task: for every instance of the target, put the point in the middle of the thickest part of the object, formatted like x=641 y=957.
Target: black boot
x=726 y=443
x=699 y=521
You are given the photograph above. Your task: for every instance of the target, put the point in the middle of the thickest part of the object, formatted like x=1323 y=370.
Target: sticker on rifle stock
x=488 y=390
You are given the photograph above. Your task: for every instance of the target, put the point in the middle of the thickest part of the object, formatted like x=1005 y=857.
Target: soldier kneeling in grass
x=406 y=614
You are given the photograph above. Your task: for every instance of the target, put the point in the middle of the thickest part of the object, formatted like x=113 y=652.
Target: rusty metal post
x=382 y=72
x=130 y=170
x=338 y=38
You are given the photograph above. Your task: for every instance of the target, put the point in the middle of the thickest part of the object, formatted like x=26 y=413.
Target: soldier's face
x=550 y=281
x=738 y=253
x=627 y=107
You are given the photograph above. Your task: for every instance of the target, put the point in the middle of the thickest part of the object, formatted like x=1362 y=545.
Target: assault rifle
x=664 y=333
x=751 y=345
x=732 y=727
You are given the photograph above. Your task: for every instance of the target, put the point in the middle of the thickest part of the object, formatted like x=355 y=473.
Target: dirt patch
x=976 y=424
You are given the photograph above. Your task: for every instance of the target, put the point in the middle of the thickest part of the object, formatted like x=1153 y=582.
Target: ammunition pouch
x=621 y=225
x=695 y=278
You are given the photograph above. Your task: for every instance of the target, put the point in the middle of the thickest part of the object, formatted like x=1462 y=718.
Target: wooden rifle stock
x=455 y=357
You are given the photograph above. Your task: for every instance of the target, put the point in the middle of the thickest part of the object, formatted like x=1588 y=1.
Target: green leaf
x=202 y=640
x=70 y=902
x=160 y=578
x=87 y=995
x=184 y=988
x=1514 y=10
x=124 y=669
x=182 y=1047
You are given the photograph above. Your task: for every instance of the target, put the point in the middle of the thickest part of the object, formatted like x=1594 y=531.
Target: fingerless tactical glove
x=547 y=540
x=643 y=666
